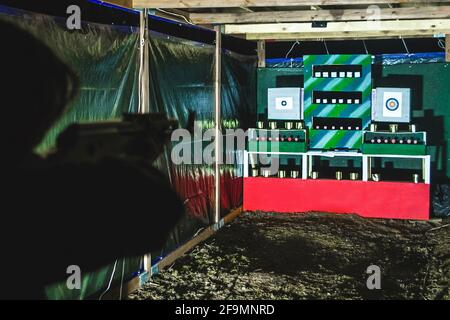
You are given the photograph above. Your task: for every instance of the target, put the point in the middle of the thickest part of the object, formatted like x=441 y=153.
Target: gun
x=135 y=136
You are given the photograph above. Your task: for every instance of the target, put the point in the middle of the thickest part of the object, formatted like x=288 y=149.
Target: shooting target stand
x=370 y=199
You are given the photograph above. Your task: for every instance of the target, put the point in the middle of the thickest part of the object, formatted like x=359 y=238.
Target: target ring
x=392 y=104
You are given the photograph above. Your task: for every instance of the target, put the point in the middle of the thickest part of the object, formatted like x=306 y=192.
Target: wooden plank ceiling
x=309 y=19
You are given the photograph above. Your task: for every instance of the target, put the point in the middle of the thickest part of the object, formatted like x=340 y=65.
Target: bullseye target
x=392 y=104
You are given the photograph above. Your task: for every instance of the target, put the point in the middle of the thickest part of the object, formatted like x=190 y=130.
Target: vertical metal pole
x=310 y=165
x=144 y=88
x=218 y=121
x=447 y=48
x=144 y=63
x=304 y=166
x=427 y=170
x=365 y=168
x=246 y=163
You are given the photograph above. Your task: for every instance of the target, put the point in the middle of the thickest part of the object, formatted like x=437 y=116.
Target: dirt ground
x=311 y=256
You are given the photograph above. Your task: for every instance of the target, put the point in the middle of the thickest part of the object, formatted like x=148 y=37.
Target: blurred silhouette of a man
x=53 y=217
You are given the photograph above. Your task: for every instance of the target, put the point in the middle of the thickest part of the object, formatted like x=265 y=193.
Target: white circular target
x=392 y=104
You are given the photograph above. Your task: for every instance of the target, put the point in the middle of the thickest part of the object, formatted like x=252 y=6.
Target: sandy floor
x=311 y=256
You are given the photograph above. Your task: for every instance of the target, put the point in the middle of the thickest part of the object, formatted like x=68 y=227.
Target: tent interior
x=261 y=44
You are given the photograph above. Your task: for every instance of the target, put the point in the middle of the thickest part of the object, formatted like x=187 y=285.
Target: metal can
x=266 y=173
x=288 y=125
x=393 y=128
x=299 y=125
x=354 y=176
x=272 y=125
x=295 y=174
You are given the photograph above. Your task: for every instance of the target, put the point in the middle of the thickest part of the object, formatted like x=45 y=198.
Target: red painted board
x=391 y=200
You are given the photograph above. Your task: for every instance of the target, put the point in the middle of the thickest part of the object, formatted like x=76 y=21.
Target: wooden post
x=261 y=54
x=148 y=263
x=144 y=65
x=218 y=121
x=447 y=48
x=144 y=88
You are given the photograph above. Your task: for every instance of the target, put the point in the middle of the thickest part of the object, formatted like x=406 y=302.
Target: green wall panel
x=275 y=78
x=430 y=84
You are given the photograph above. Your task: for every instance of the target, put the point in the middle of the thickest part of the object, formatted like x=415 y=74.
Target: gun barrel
x=135 y=135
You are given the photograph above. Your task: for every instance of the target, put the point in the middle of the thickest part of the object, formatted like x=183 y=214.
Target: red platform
x=391 y=200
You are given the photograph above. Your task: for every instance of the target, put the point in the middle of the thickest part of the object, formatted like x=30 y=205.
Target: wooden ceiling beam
x=347 y=38
x=321 y=15
x=121 y=3
x=246 y=9
x=354 y=29
x=335 y=36
x=180 y=4
x=173 y=14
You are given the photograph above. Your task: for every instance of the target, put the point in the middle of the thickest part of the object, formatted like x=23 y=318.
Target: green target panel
x=337 y=99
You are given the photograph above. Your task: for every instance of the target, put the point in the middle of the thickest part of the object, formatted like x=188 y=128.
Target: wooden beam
x=144 y=64
x=335 y=36
x=167 y=4
x=173 y=14
x=447 y=48
x=121 y=3
x=261 y=54
x=321 y=15
x=135 y=283
x=148 y=262
x=178 y=253
x=218 y=121
x=201 y=237
x=232 y=215
x=355 y=29
x=246 y=9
